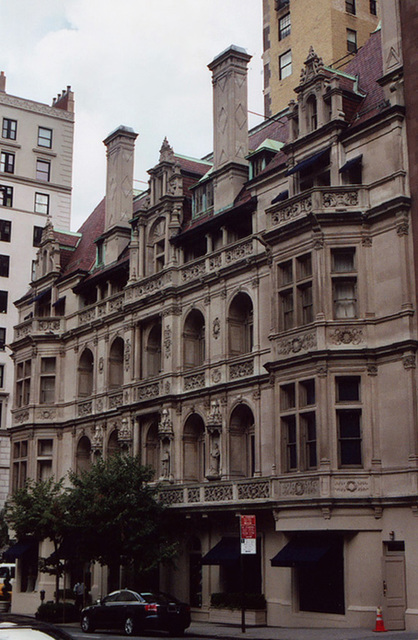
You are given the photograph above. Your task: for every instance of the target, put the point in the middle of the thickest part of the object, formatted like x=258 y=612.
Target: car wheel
x=86 y=624
x=130 y=626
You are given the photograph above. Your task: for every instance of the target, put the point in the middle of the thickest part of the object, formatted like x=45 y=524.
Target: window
x=20 y=462
x=44 y=137
x=344 y=283
x=43 y=168
x=4 y=266
x=203 y=198
x=284 y=26
x=5 y=230
x=285 y=65
x=298 y=425
x=373 y=7
x=312 y=113
x=47 y=388
x=280 y=4
x=7 y=162
x=3 y=301
x=315 y=174
x=2 y=338
x=116 y=359
x=37 y=236
x=45 y=459
x=350 y=6
x=295 y=292
x=85 y=374
x=6 y=196
x=348 y=409
x=9 y=129
x=241 y=325
x=194 y=340
x=42 y=203
x=23 y=374
x=351 y=41
x=1 y=377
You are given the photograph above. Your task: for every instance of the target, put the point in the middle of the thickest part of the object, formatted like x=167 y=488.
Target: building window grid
x=344 y=282
x=5 y=230
x=298 y=425
x=284 y=26
x=47 y=381
x=20 y=461
x=295 y=292
x=23 y=379
x=351 y=41
x=349 y=418
x=43 y=170
x=42 y=203
x=6 y=196
x=9 y=129
x=44 y=137
x=7 y=162
x=285 y=65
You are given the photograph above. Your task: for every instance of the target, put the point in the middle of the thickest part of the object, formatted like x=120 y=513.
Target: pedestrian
x=79 y=594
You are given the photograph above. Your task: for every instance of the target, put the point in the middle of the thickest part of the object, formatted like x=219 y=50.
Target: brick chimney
x=2 y=82
x=119 y=191
x=230 y=124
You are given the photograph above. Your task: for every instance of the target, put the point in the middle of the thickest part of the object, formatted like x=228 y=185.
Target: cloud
x=132 y=62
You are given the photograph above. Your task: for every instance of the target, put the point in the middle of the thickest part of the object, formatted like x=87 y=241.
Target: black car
x=135 y=612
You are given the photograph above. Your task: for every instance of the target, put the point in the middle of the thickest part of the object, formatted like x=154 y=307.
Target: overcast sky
x=140 y=63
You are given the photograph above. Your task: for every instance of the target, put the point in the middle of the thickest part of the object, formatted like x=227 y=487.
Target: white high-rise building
x=36 y=152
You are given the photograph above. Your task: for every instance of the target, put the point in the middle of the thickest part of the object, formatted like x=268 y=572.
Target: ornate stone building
x=247 y=326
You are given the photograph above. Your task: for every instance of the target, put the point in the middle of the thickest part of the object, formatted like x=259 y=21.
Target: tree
x=117 y=518
x=38 y=511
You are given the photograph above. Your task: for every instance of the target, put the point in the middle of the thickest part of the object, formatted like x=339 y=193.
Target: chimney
x=230 y=124
x=392 y=79
x=119 y=190
x=2 y=82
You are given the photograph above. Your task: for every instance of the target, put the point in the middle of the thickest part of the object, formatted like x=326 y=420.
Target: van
x=7 y=571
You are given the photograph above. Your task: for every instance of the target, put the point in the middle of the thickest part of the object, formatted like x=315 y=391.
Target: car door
x=105 y=613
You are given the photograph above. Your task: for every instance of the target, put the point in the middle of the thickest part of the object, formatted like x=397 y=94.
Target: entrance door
x=394 y=604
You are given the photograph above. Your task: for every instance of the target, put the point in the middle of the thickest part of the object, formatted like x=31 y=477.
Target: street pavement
x=231 y=632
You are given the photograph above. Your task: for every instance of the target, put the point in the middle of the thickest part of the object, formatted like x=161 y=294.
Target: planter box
x=253 y=618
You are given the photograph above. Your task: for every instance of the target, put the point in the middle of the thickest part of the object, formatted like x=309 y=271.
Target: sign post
x=248 y=546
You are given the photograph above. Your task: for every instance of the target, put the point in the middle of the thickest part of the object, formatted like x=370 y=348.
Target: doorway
x=394 y=585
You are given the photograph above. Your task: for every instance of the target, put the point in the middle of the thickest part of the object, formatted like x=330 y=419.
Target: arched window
x=152 y=448
x=241 y=444
x=194 y=449
x=194 y=339
x=85 y=374
x=156 y=246
x=116 y=363
x=83 y=455
x=240 y=325
x=113 y=445
x=312 y=113
x=153 y=350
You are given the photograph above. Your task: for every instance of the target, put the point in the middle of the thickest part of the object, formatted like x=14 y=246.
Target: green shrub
x=61 y=612
x=234 y=600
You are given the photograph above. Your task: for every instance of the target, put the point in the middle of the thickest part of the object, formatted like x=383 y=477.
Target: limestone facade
x=260 y=356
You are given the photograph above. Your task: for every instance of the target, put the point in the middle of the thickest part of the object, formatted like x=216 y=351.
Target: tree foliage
x=38 y=511
x=117 y=517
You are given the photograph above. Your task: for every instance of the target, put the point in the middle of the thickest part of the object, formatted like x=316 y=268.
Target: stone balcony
x=39 y=326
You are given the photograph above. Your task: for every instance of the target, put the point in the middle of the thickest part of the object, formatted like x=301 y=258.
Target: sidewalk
x=231 y=632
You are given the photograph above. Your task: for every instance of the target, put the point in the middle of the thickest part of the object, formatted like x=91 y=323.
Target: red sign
x=248 y=534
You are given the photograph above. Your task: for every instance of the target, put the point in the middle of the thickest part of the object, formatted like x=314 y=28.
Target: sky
x=138 y=63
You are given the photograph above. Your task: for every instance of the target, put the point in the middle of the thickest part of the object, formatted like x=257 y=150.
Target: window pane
x=284 y=26
x=343 y=260
x=42 y=203
x=285 y=65
x=44 y=137
x=348 y=389
x=5 y=230
x=42 y=170
x=344 y=299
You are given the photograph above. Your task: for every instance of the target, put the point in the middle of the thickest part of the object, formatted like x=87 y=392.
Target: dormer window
x=99 y=252
x=203 y=198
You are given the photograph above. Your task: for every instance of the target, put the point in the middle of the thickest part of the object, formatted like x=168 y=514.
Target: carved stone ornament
x=409 y=362
x=166 y=152
x=340 y=199
x=101 y=364
x=127 y=354
x=214 y=421
x=97 y=439
x=165 y=426
x=313 y=66
x=303 y=342
x=125 y=431
x=216 y=376
x=216 y=328
x=347 y=335
x=167 y=341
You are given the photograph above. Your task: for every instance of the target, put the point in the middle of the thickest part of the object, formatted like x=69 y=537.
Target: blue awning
x=227 y=551
x=300 y=552
x=18 y=550
x=283 y=195
x=308 y=162
x=41 y=295
x=57 y=302
x=351 y=163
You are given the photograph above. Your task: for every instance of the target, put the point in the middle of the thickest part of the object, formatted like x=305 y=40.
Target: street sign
x=248 y=535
